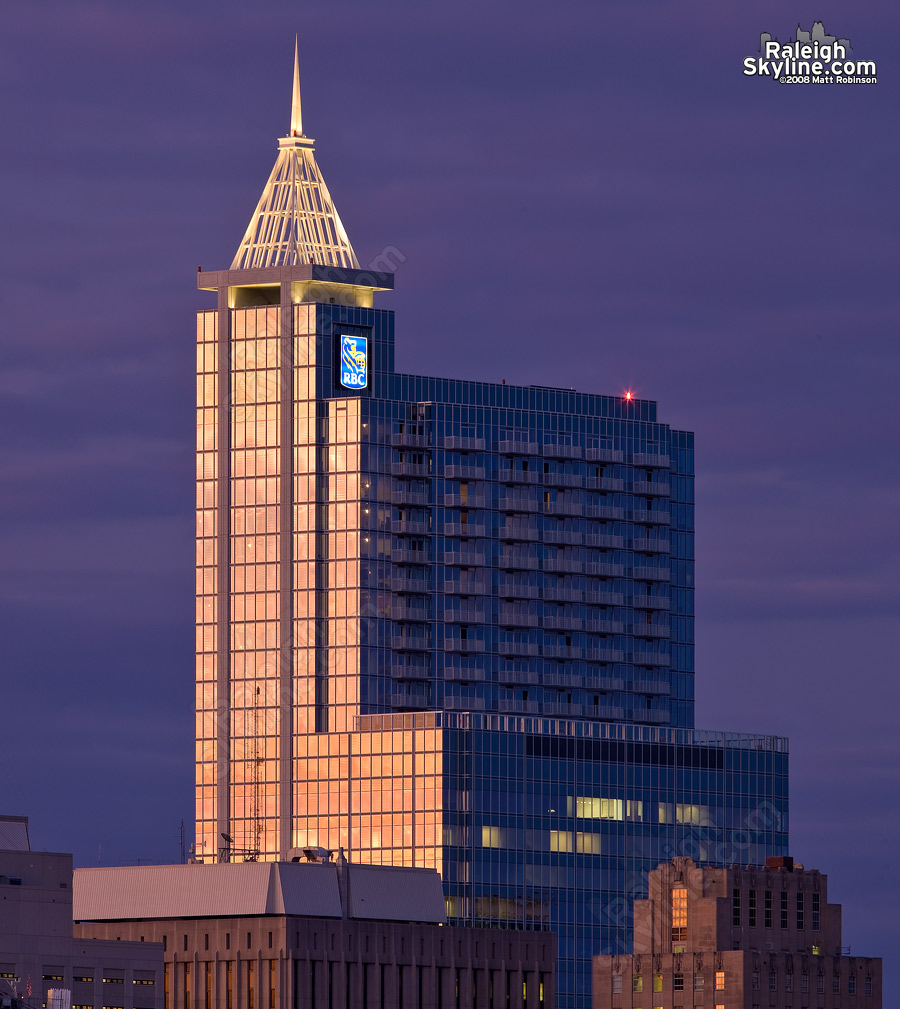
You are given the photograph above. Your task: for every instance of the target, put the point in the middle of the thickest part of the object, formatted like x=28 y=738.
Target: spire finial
x=296 y=119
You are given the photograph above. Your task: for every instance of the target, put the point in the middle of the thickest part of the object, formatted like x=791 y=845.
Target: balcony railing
x=650 y=459
x=463 y=645
x=513 y=590
x=554 y=451
x=518 y=476
x=604 y=541
x=461 y=529
x=401 y=496
x=459 y=444
x=517 y=648
x=604 y=598
x=562 y=623
x=651 y=545
x=510 y=447
x=410 y=469
x=607 y=483
x=650 y=602
x=514 y=531
x=457 y=472
x=518 y=503
x=645 y=574
x=650 y=516
x=649 y=488
x=408 y=440
x=512 y=561
x=603 y=455
x=650 y=659
x=563 y=480
x=513 y=618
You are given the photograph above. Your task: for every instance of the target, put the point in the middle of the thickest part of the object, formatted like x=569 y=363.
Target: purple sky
x=585 y=193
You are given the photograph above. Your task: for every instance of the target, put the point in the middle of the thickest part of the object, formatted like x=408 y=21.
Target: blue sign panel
x=354 y=362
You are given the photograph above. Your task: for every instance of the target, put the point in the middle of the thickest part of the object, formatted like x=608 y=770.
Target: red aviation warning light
x=629 y=396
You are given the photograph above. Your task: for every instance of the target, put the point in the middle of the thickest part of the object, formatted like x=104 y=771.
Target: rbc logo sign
x=354 y=362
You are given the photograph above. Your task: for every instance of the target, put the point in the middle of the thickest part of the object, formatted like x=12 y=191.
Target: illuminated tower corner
x=259 y=541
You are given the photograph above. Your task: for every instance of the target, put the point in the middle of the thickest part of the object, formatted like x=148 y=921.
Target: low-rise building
x=737 y=938
x=313 y=935
x=38 y=952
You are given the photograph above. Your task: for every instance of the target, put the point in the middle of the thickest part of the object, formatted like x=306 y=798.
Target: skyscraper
x=440 y=622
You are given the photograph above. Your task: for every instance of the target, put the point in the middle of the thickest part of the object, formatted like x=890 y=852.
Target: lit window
x=637 y=982
x=698 y=982
x=720 y=980
x=657 y=982
x=490 y=837
x=561 y=840
x=679 y=913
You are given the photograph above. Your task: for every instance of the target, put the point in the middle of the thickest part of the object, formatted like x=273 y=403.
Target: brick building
x=737 y=938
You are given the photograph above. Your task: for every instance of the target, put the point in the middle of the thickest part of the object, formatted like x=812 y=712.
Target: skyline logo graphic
x=354 y=362
x=813 y=57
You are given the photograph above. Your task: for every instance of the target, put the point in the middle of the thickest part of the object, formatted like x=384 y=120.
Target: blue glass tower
x=441 y=622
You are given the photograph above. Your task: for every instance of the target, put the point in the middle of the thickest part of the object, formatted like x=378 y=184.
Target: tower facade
x=440 y=622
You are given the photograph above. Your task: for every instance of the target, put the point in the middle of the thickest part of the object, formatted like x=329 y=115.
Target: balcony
x=572 y=680
x=604 y=655
x=455 y=443
x=408 y=440
x=552 y=451
x=413 y=585
x=402 y=643
x=604 y=541
x=650 y=602
x=404 y=527
x=651 y=488
x=603 y=455
x=563 y=537
x=410 y=701
x=562 y=623
x=466 y=645
x=515 y=590
x=457 y=472
x=651 y=630
x=464 y=703
x=563 y=507
x=518 y=476
x=650 y=459
x=466 y=587
x=401 y=556
x=562 y=595
x=604 y=627
x=510 y=447
x=569 y=565
x=401 y=496
x=516 y=531
x=517 y=648
x=650 y=687
x=465 y=615
x=517 y=503
x=410 y=671
x=410 y=469
x=651 y=517
x=604 y=512
x=644 y=574
x=469 y=501
x=601 y=569
x=512 y=561
x=462 y=529
x=462 y=558
x=650 y=715
x=604 y=598
x=650 y=659
x=518 y=676
x=412 y=614
x=551 y=710
x=606 y=483
x=459 y=675
x=563 y=480
x=651 y=545
x=562 y=652
x=516 y=618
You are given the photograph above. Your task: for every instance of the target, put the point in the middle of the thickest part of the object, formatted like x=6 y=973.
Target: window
x=773 y=981
x=657 y=982
x=784 y=909
x=678 y=982
x=751 y=909
x=799 y=909
x=804 y=983
x=836 y=985
x=820 y=985
x=698 y=982
x=788 y=982
x=720 y=980
x=637 y=982
x=754 y=981
x=815 y=912
x=851 y=984
x=735 y=907
x=768 y=909
x=616 y=983
x=868 y=986
x=679 y=913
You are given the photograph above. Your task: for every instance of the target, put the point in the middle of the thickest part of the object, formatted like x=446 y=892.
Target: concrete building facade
x=737 y=938
x=40 y=954
x=313 y=936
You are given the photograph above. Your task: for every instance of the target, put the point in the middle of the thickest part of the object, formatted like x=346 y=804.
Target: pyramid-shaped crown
x=295 y=221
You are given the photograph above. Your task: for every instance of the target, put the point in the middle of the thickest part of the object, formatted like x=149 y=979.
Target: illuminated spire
x=295 y=221
x=296 y=117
